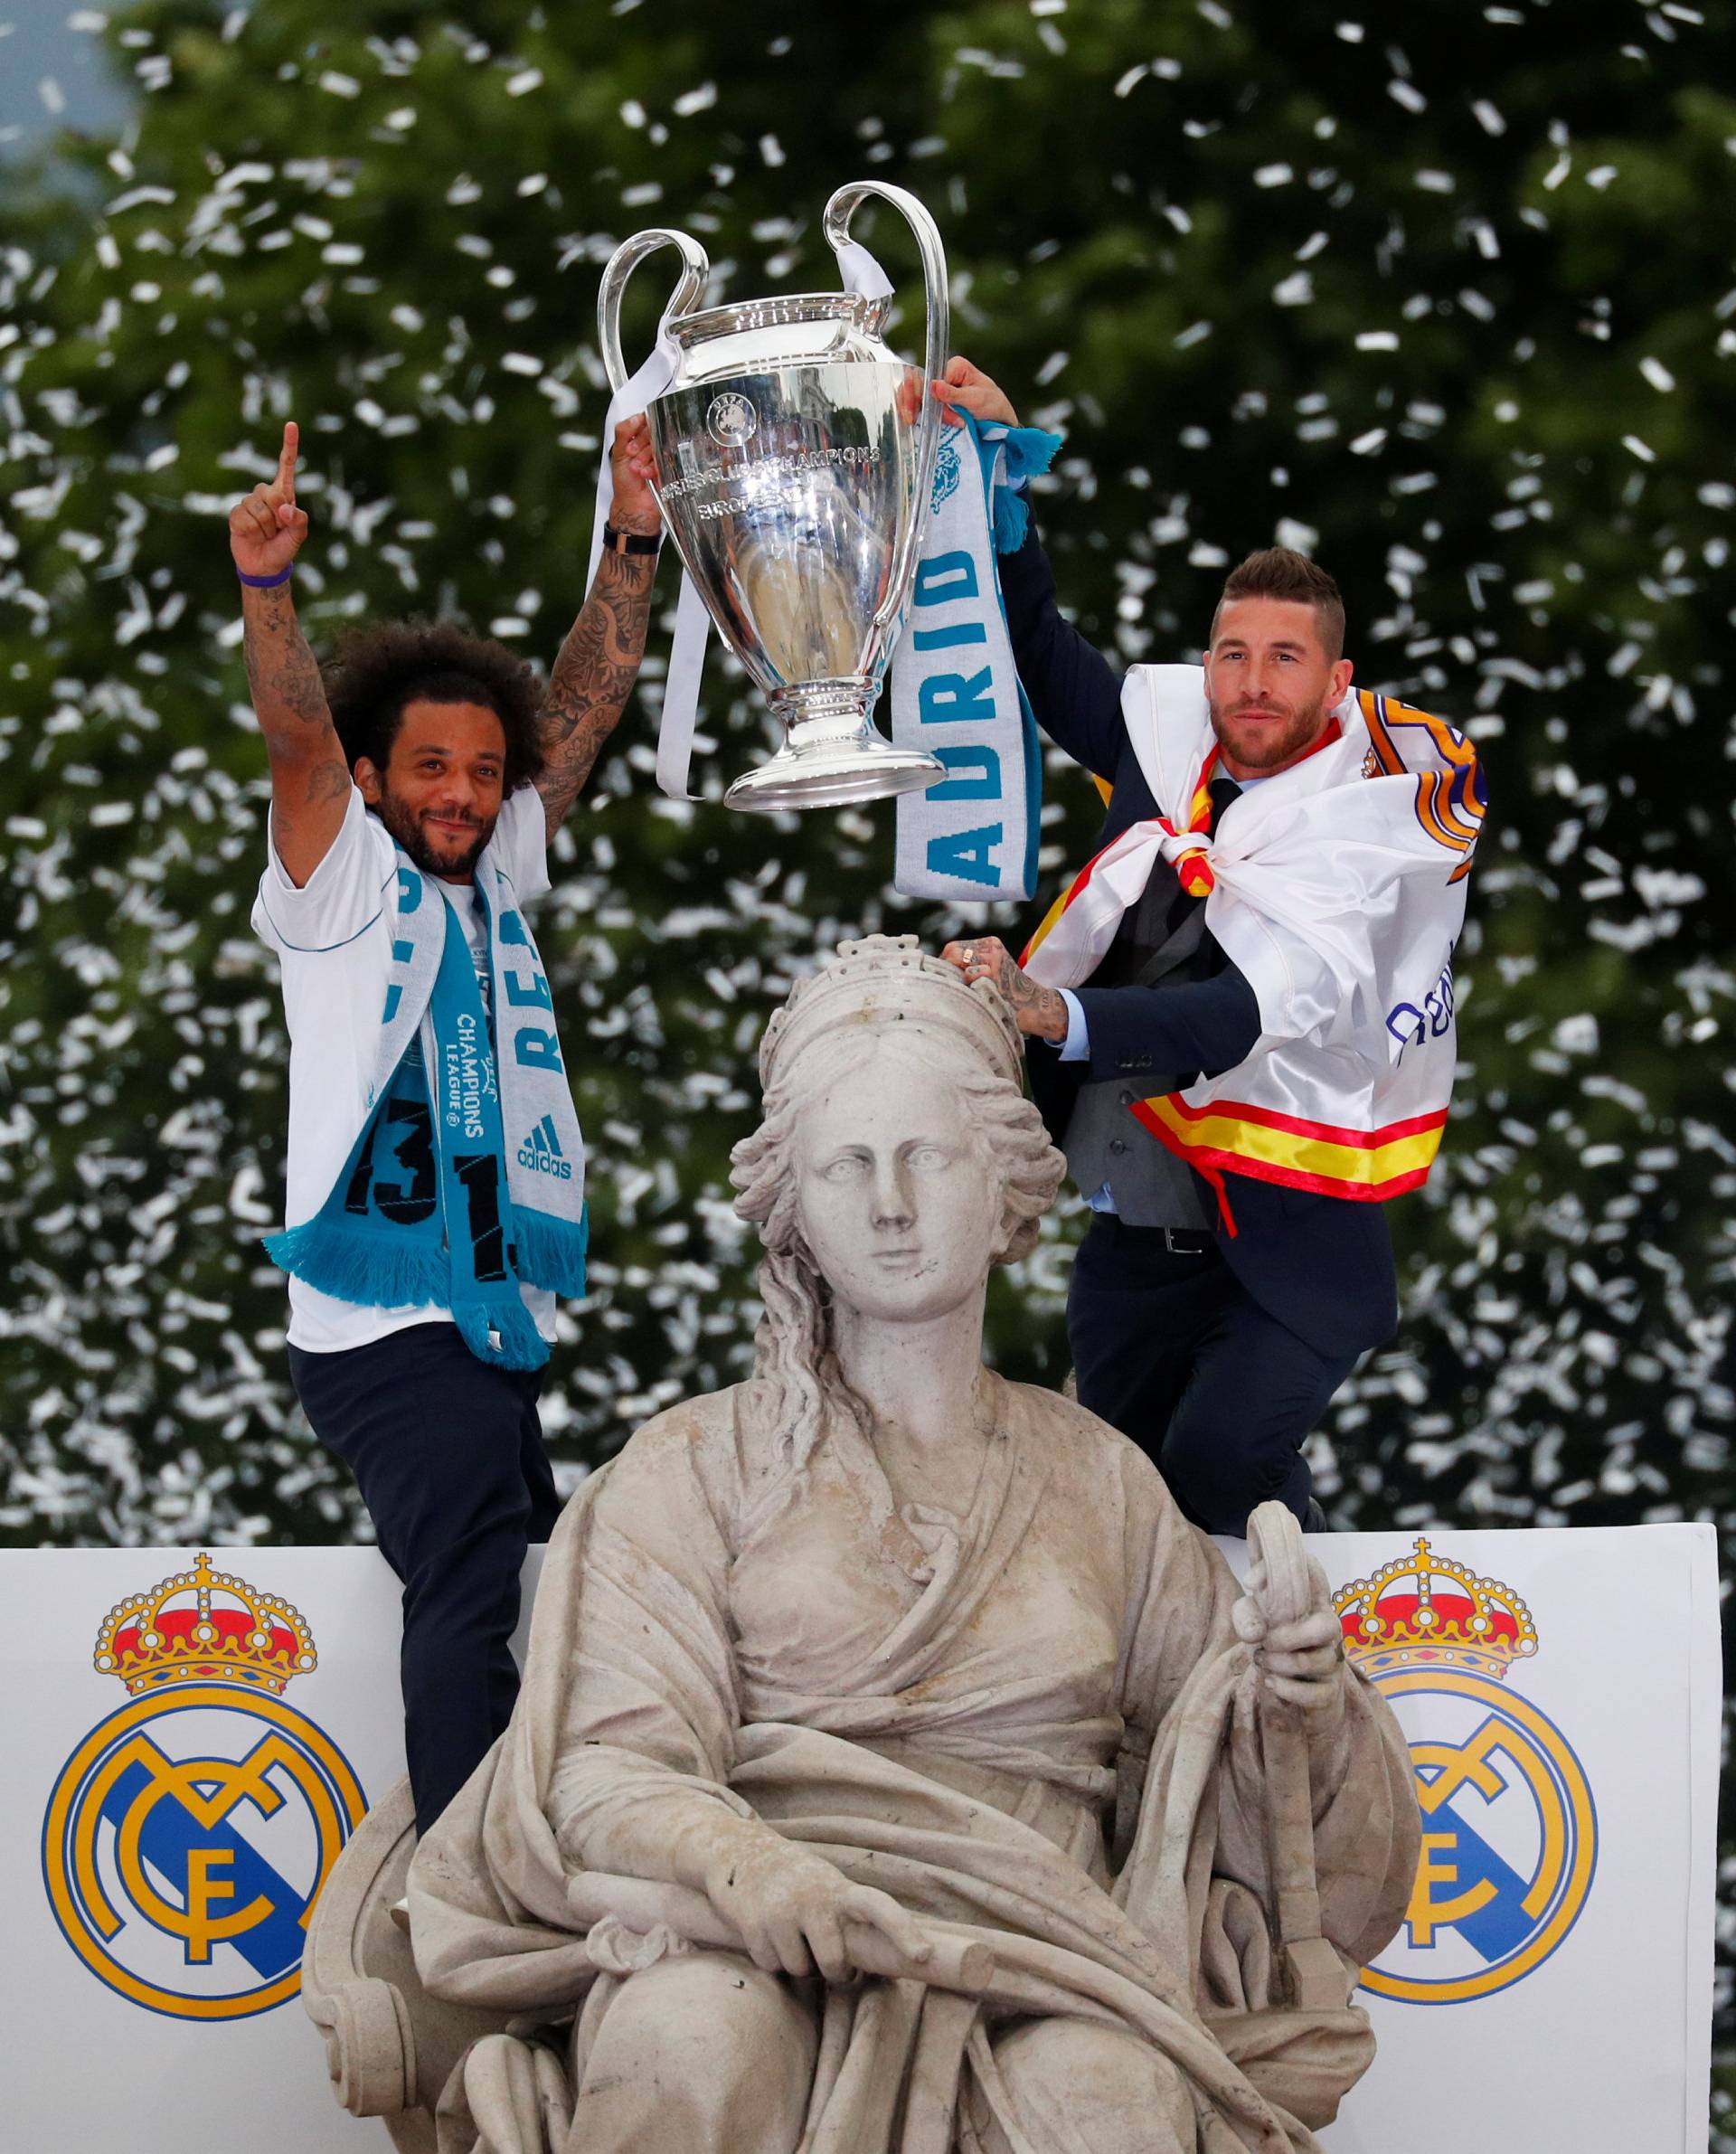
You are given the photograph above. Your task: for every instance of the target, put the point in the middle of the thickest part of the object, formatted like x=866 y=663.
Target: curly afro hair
x=375 y=671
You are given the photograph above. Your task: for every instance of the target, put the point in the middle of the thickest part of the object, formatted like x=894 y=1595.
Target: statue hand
x=1301 y=1660
x=792 y=1910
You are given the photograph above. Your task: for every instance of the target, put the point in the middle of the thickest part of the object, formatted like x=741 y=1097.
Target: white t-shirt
x=462 y=898
x=332 y=942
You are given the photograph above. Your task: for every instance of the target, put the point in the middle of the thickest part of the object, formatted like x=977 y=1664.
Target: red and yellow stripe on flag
x=1052 y=915
x=1228 y=1136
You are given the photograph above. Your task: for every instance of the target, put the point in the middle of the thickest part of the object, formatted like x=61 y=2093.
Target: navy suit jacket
x=1322 y=1265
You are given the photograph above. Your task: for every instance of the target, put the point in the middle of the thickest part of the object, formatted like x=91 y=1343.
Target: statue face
x=898 y=1198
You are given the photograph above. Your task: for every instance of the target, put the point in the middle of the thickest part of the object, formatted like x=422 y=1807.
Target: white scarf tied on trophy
x=955 y=691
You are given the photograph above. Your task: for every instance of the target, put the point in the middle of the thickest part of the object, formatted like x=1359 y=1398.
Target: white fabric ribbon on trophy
x=692 y=623
x=955 y=690
x=863 y=276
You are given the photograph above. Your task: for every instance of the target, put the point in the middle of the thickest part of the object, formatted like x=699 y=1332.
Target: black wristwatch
x=629 y=541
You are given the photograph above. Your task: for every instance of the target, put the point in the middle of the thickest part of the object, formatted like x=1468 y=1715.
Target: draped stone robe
x=956 y=1707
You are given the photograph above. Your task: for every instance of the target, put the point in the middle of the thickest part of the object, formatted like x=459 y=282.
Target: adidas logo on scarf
x=543 y=1154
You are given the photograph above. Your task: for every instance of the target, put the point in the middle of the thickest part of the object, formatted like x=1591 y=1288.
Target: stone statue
x=896 y=1770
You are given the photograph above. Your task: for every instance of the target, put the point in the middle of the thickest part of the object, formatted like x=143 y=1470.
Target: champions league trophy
x=793 y=454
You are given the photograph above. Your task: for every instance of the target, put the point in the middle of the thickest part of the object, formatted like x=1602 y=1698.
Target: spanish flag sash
x=1338 y=890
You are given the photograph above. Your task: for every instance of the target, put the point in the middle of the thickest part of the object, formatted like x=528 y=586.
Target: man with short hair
x=435 y=1169
x=1231 y=1089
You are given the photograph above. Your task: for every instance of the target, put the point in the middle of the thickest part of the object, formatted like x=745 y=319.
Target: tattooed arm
x=1039 y=1011
x=599 y=662
x=310 y=777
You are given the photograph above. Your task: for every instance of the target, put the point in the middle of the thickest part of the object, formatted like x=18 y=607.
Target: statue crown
x=886 y=980
x=1423 y=1608
x=203 y=1626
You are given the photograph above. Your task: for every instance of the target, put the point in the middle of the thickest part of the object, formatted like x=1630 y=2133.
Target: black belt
x=1180 y=1241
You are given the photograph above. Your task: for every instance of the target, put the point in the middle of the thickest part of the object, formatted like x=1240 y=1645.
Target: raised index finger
x=286 y=459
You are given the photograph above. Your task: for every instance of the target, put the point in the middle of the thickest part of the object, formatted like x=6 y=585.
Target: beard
x=435 y=853
x=1268 y=741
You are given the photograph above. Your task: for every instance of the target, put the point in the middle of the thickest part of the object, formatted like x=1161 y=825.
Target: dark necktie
x=1223 y=790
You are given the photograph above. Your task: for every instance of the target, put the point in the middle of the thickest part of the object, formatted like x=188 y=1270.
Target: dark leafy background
x=1449 y=297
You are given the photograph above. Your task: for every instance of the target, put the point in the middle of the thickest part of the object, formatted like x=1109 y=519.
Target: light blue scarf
x=955 y=690
x=456 y=1190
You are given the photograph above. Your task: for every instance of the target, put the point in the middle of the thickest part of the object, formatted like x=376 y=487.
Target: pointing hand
x=265 y=530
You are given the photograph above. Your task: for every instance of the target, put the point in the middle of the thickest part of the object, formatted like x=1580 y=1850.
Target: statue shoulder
x=1093 y=1452
x=690 y=1424
x=693 y=1448
x=1055 y=1420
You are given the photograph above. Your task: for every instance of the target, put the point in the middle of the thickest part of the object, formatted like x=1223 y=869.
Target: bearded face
x=1269 y=683
x=440 y=793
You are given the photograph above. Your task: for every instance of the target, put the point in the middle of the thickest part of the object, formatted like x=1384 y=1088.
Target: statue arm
x=639 y=1788
x=649 y=1716
x=1366 y=1829
x=640 y=1783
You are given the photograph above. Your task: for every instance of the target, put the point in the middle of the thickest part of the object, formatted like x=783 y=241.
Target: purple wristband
x=269 y=582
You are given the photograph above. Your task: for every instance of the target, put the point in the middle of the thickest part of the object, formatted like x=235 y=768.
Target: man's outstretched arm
x=600 y=661
x=1208 y=1024
x=1075 y=692
x=310 y=775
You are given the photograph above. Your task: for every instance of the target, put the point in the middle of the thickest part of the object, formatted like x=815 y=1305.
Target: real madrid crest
x=1509 y=1829
x=188 y=1836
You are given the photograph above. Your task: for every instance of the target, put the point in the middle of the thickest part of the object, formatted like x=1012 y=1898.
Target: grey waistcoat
x=1149 y=1184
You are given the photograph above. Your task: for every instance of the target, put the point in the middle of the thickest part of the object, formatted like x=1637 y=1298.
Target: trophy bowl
x=794 y=452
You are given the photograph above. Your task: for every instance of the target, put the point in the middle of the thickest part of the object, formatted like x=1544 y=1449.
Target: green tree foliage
x=1454 y=313
x=1447 y=297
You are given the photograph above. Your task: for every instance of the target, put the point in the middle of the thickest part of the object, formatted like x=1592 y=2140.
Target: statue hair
x=794 y=1362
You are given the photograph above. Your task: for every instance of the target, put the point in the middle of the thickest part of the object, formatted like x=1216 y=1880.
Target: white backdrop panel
x=1572 y=1825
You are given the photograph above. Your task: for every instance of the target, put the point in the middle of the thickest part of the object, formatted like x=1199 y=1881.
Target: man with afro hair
x=435 y=1170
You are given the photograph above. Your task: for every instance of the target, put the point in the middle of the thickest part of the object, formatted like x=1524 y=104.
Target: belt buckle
x=1183 y=1241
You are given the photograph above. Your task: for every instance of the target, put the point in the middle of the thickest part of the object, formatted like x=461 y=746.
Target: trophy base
x=830 y=760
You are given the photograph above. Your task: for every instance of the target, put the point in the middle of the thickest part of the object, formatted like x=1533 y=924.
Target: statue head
x=897 y=1162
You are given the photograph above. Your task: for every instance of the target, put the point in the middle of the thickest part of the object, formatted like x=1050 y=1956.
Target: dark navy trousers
x=1174 y=1352
x=447 y=1454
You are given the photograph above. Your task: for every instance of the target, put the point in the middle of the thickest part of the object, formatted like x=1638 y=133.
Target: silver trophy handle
x=696 y=268
x=836 y=225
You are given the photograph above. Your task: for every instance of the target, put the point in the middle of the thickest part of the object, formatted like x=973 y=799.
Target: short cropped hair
x=1278 y=572
x=375 y=671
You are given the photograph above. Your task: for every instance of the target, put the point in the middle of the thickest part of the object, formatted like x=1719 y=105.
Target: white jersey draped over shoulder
x=1337 y=888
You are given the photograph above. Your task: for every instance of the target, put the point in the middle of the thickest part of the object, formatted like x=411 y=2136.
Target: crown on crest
x=1423 y=1609
x=203 y=1626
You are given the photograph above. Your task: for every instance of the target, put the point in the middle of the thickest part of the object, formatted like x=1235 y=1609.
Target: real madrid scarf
x=1337 y=887
x=467 y=1177
x=955 y=690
